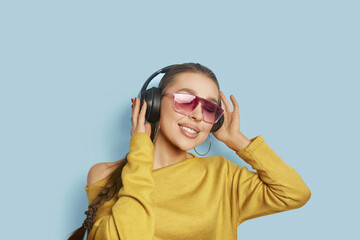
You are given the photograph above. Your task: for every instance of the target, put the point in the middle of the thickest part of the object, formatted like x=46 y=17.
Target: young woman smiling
x=160 y=191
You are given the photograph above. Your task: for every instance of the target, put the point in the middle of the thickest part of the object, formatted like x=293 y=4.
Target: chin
x=187 y=144
x=186 y=147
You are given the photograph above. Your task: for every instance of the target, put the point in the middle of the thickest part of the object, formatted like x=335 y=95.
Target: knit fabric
x=198 y=198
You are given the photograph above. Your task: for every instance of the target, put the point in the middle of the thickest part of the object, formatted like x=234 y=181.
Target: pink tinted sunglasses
x=185 y=104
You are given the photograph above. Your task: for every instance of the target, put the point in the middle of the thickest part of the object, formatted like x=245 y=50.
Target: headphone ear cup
x=153 y=100
x=218 y=125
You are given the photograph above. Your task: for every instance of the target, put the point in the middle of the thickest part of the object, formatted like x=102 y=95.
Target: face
x=172 y=123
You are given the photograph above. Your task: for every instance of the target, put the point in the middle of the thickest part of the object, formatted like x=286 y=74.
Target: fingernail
x=143 y=102
x=132 y=100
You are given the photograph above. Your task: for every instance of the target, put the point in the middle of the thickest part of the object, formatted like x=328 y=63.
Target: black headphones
x=153 y=98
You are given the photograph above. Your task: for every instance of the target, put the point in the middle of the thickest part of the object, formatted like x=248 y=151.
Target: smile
x=188 y=129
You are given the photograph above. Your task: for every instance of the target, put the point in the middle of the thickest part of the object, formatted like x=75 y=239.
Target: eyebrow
x=195 y=93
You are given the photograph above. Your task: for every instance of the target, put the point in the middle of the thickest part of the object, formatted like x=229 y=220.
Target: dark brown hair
x=115 y=181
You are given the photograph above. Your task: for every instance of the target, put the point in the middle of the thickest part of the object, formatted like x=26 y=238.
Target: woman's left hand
x=229 y=133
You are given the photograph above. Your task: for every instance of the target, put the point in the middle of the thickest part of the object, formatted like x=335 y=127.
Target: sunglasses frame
x=198 y=100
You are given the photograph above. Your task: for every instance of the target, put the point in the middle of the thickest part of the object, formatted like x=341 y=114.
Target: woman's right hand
x=138 y=118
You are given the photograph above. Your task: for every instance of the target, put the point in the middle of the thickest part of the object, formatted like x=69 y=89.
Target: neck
x=165 y=153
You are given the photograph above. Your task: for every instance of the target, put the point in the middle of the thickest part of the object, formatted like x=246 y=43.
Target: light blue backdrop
x=68 y=70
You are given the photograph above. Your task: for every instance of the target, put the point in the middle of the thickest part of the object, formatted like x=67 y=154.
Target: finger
x=226 y=102
x=221 y=101
x=223 y=106
x=148 y=129
x=135 y=113
x=235 y=103
x=142 y=113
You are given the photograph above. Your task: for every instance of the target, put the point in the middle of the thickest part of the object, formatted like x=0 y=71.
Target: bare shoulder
x=100 y=171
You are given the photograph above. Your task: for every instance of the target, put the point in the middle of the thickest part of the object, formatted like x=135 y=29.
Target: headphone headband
x=162 y=70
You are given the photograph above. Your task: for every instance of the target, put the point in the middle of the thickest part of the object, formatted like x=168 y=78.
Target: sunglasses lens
x=211 y=112
x=184 y=103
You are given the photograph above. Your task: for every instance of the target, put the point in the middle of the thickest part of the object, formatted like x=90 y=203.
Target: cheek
x=207 y=130
x=166 y=112
x=168 y=117
x=207 y=127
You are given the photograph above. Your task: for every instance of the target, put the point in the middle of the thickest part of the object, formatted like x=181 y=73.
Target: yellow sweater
x=198 y=198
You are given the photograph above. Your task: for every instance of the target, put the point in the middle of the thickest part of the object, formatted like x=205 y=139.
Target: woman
x=160 y=191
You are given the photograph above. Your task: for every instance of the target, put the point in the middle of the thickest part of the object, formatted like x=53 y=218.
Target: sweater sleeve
x=132 y=215
x=274 y=187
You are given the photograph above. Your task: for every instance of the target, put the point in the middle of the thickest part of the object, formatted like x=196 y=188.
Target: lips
x=188 y=125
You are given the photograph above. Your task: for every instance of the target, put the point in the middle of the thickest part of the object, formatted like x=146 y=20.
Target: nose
x=197 y=113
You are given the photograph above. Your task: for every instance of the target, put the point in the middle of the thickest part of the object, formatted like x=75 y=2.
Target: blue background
x=68 y=70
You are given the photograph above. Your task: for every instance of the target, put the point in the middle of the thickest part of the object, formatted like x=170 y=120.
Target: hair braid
x=108 y=191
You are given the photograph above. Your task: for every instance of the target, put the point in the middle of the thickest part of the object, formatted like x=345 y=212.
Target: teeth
x=188 y=129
